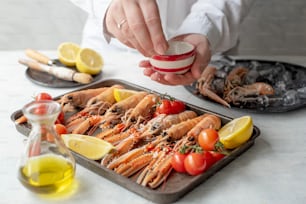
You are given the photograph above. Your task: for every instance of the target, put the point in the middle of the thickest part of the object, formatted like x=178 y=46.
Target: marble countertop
x=272 y=171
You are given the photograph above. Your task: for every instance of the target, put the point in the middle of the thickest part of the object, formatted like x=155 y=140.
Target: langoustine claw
x=204 y=85
x=157 y=170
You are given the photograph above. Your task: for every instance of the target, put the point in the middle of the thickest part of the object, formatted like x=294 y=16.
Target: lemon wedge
x=67 y=53
x=121 y=94
x=89 y=61
x=236 y=132
x=90 y=147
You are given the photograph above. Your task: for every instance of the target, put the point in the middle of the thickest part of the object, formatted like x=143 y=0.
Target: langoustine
x=78 y=99
x=113 y=115
x=204 y=84
x=96 y=105
x=142 y=112
x=235 y=90
x=158 y=170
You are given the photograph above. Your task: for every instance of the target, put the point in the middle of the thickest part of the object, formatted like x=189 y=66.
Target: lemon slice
x=121 y=94
x=67 y=53
x=91 y=147
x=89 y=61
x=236 y=132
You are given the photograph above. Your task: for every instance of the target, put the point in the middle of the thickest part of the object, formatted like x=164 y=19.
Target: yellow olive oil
x=46 y=174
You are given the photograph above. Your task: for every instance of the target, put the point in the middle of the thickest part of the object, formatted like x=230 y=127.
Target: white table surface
x=271 y=171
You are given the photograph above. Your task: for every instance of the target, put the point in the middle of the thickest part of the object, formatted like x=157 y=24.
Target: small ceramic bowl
x=178 y=58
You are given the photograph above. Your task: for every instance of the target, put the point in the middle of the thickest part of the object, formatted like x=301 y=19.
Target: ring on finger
x=119 y=25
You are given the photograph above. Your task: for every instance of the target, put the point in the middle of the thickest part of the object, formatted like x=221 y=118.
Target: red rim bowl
x=178 y=58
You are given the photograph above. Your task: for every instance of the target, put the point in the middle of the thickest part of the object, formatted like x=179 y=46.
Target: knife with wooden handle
x=59 y=72
x=39 y=57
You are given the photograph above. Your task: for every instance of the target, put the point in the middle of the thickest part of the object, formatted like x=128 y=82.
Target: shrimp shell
x=106 y=96
x=142 y=111
x=162 y=122
x=177 y=131
x=78 y=99
x=208 y=121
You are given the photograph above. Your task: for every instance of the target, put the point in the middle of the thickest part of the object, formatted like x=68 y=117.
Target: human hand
x=202 y=58
x=137 y=24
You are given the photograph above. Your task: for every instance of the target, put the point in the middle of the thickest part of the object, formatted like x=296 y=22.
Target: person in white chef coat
x=147 y=25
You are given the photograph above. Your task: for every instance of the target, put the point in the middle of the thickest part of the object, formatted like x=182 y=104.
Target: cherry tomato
x=60 y=129
x=61 y=118
x=217 y=155
x=177 y=106
x=40 y=110
x=164 y=107
x=168 y=106
x=209 y=158
x=43 y=96
x=195 y=163
x=208 y=138
x=177 y=162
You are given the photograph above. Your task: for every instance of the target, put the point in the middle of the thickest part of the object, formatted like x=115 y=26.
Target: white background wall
x=273 y=27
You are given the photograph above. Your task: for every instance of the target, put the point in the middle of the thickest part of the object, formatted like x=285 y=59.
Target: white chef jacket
x=218 y=20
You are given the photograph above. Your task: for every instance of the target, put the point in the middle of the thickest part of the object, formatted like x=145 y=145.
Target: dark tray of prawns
x=253 y=84
x=149 y=174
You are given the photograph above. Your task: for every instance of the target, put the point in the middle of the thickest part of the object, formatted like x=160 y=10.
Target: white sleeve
x=219 y=20
x=96 y=10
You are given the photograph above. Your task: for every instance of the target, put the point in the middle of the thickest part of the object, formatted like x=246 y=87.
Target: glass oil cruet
x=46 y=166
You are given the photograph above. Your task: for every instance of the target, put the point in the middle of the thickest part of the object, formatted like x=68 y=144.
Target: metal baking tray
x=287 y=79
x=177 y=184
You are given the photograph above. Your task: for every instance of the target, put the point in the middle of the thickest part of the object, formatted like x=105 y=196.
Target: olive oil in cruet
x=46 y=166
